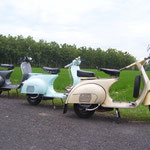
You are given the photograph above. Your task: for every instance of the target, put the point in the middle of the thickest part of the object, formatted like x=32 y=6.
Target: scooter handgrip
x=65 y=66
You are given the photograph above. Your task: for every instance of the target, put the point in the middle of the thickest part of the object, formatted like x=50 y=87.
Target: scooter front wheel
x=34 y=99
x=80 y=110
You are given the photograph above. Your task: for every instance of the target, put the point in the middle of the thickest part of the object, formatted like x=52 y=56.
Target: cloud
x=97 y=23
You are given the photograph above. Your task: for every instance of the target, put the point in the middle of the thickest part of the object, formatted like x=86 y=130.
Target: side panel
x=87 y=94
x=38 y=84
x=34 y=86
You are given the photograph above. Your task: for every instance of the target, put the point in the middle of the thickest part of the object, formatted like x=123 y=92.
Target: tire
x=81 y=112
x=0 y=92
x=34 y=99
x=136 y=86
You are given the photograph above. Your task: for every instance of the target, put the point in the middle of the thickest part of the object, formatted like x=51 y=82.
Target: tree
x=52 y=54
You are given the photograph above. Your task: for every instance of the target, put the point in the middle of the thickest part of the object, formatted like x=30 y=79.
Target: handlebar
x=27 y=59
x=129 y=66
x=142 y=62
x=69 y=65
x=147 y=58
x=66 y=66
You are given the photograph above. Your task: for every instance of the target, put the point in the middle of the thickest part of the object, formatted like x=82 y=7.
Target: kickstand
x=53 y=104
x=8 y=93
x=17 y=92
x=118 y=115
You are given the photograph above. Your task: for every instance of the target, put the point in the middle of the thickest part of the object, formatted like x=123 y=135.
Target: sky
x=120 y=24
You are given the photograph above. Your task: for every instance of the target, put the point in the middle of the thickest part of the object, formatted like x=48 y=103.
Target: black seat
x=112 y=72
x=81 y=73
x=9 y=66
x=52 y=70
x=6 y=73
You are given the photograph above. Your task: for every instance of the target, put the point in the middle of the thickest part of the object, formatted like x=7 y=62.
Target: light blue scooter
x=39 y=86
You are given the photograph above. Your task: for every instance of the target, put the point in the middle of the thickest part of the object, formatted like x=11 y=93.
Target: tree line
x=52 y=54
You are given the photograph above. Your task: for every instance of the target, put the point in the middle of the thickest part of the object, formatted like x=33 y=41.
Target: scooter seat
x=81 y=73
x=52 y=70
x=112 y=72
x=5 y=73
x=9 y=66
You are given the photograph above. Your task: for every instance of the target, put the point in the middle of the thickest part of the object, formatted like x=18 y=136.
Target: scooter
x=39 y=86
x=93 y=94
x=5 y=83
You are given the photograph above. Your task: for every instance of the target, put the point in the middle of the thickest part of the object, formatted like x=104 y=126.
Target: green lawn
x=122 y=90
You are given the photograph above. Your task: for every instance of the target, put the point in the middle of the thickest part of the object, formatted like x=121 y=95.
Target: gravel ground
x=26 y=127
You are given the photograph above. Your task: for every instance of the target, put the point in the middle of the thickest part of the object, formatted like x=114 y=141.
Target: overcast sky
x=120 y=24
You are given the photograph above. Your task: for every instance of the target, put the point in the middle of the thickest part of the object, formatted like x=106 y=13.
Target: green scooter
x=39 y=86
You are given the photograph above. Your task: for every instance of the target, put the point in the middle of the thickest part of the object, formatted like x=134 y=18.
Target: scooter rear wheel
x=80 y=110
x=34 y=99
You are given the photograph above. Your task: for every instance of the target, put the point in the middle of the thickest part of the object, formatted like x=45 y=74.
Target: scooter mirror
x=78 y=58
x=29 y=58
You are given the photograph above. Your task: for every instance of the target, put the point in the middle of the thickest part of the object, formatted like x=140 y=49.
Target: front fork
x=65 y=108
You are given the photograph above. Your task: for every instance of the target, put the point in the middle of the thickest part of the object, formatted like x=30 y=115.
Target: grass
x=122 y=90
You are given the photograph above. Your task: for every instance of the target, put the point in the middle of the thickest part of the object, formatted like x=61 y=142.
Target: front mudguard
x=34 y=86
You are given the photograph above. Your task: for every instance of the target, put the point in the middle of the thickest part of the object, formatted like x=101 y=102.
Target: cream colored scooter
x=91 y=94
